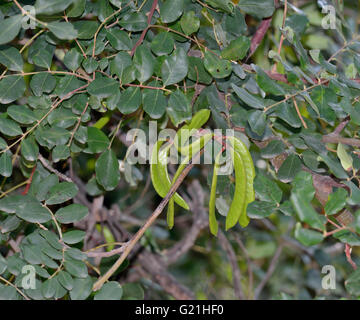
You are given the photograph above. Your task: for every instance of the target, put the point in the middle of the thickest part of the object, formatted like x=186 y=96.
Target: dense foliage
x=78 y=75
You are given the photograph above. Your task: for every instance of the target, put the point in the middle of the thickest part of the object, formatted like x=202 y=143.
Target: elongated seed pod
x=240 y=147
x=238 y=202
x=159 y=173
x=197 y=121
x=194 y=148
x=212 y=203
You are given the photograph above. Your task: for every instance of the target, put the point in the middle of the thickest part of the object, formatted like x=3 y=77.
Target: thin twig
x=249 y=265
x=48 y=166
x=269 y=272
x=15 y=287
x=224 y=242
x=143 y=34
x=98 y=284
x=299 y=114
x=282 y=34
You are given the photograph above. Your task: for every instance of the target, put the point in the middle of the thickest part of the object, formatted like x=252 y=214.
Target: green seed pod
x=240 y=148
x=212 y=203
x=197 y=121
x=236 y=211
x=159 y=173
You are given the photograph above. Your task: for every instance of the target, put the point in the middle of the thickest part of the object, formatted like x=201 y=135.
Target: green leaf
x=11 y=223
x=76 y=268
x=120 y=64
x=136 y=21
x=76 y=9
x=346 y=236
x=9 y=204
x=321 y=97
x=257 y=122
x=190 y=23
x=258 y=8
x=11 y=58
x=42 y=82
x=21 y=114
x=31 y=210
x=41 y=53
x=334 y=165
x=49 y=287
x=10 y=28
x=289 y=168
x=130 y=100
x=67 y=84
x=154 y=103
x=171 y=10
x=63 y=30
x=74 y=236
x=216 y=66
x=162 y=44
x=111 y=290
x=55 y=136
x=7 y=292
x=251 y=100
x=119 y=39
x=352 y=283
x=237 y=49
x=71 y=213
x=179 y=108
x=266 y=189
x=107 y=170
x=10 y=128
x=266 y=83
x=336 y=201
x=11 y=89
x=260 y=209
x=97 y=140
x=103 y=87
x=60 y=152
x=307 y=237
x=225 y=5
x=51 y=6
x=90 y=65
x=82 y=289
x=73 y=59
x=197 y=71
x=5 y=165
x=144 y=63
x=345 y=159
x=175 y=67
x=273 y=149
x=61 y=192
x=29 y=149
x=62 y=118
x=65 y=280
x=305 y=211
x=86 y=29
x=3 y=264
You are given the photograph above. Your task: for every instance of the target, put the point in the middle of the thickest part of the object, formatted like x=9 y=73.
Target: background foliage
x=89 y=71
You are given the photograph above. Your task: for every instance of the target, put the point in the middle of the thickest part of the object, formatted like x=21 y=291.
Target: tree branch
x=98 y=284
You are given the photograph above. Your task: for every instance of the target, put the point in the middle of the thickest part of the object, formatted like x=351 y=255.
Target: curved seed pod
x=193 y=149
x=196 y=146
x=197 y=121
x=240 y=147
x=237 y=205
x=212 y=203
x=159 y=173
